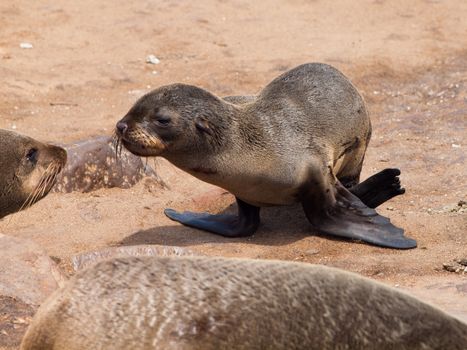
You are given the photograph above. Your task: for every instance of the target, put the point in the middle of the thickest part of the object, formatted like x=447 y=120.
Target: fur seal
x=302 y=139
x=28 y=170
x=220 y=303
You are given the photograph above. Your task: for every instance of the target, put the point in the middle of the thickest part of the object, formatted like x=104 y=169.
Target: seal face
x=219 y=303
x=302 y=139
x=28 y=170
x=171 y=120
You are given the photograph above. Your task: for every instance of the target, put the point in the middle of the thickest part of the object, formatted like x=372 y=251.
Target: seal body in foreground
x=28 y=170
x=302 y=139
x=219 y=303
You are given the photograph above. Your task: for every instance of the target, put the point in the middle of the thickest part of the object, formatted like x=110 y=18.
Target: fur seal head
x=174 y=119
x=28 y=170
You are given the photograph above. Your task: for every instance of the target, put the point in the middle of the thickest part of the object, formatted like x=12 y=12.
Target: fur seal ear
x=203 y=125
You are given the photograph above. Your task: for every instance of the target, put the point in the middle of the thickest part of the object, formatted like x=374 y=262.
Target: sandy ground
x=87 y=66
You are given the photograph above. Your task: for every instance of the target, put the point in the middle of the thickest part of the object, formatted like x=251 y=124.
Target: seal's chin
x=143 y=150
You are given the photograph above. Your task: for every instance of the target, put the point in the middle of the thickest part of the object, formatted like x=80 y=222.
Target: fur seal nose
x=122 y=127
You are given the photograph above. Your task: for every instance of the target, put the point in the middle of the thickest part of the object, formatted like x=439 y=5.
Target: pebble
x=459 y=207
x=152 y=59
x=26 y=46
x=312 y=252
x=455 y=267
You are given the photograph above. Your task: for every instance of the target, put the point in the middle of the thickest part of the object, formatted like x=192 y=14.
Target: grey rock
x=26 y=271
x=93 y=164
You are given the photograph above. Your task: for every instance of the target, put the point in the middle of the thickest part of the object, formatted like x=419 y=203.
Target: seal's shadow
x=279 y=226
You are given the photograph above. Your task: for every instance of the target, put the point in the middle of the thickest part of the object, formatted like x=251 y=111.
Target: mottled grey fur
x=218 y=303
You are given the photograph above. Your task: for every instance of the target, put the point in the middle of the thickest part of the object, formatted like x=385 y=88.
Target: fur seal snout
x=302 y=139
x=28 y=170
x=218 y=303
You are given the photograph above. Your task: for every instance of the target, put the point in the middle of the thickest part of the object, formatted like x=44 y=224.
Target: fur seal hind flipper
x=245 y=224
x=379 y=188
x=334 y=210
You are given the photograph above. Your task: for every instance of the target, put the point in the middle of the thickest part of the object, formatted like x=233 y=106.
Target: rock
x=312 y=252
x=26 y=271
x=93 y=164
x=88 y=259
x=456 y=266
x=448 y=292
x=15 y=316
x=152 y=59
x=26 y=45
x=27 y=277
x=459 y=207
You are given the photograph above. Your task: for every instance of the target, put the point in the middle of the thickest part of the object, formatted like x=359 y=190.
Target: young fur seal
x=302 y=139
x=28 y=170
x=218 y=303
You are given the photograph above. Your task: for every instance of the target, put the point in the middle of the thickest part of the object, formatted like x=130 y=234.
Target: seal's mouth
x=140 y=149
x=140 y=143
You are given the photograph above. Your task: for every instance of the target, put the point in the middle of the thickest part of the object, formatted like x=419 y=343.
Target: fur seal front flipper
x=243 y=225
x=372 y=192
x=336 y=212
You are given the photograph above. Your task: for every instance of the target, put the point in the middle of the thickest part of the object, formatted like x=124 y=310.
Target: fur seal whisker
x=40 y=188
x=117 y=145
x=31 y=198
x=47 y=179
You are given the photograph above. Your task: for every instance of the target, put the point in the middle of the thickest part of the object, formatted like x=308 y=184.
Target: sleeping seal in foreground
x=204 y=303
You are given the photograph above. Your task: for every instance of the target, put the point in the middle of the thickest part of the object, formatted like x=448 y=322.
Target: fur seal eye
x=163 y=121
x=32 y=155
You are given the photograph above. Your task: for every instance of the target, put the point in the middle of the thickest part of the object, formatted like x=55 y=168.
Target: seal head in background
x=28 y=170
